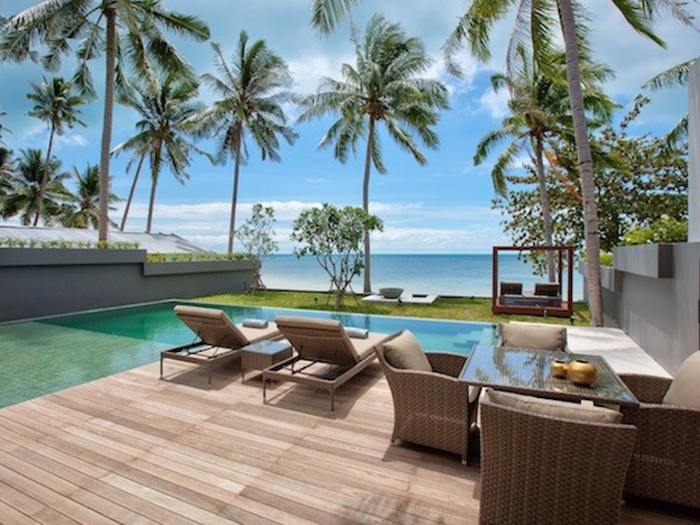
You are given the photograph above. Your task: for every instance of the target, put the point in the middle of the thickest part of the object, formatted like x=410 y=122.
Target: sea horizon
x=461 y=275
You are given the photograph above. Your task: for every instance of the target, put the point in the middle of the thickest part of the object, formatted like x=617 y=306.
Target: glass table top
x=529 y=371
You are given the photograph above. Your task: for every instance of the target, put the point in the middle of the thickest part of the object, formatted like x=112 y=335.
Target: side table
x=260 y=355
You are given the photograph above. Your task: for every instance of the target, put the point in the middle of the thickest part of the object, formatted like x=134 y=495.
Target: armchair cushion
x=405 y=352
x=684 y=391
x=553 y=408
x=539 y=337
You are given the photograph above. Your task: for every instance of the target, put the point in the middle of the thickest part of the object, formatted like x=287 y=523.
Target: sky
x=442 y=207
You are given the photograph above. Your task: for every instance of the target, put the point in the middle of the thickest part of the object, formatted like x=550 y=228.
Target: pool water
x=46 y=355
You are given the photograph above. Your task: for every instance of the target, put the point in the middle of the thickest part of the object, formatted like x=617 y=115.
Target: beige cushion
x=553 y=408
x=685 y=387
x=405 y=352
x=538 y=337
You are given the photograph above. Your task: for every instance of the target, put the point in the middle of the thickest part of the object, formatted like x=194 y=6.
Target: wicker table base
x=258 y=356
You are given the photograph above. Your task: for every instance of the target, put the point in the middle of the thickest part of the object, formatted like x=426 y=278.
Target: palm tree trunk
x=151 y=203
x=110 y=52
x=585 y=162
x=544 y=202
x=131 y=193
x=365 y=206
x=234 y=198
x=45 y=176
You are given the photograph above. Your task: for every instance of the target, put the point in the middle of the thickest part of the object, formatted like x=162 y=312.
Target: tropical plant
x=57 y=105
x=27 y=184
x=537 y=24
x=334 y=236
x=538 y=121
x=648 y=179
x=3 y=129
x=674 y=76
x=164 y=106
x=257 y=237
x=383 y=87
x=129 y=33
x=664 y=229
x=252 y=90
x=7 y=171
x=82 y=210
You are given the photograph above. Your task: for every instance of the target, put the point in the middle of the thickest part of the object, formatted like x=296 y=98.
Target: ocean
x=454 y=275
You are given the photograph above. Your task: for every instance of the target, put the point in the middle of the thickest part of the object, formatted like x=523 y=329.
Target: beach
x=447 y=274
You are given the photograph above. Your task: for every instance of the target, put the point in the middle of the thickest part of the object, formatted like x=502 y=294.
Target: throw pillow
x=405 y=352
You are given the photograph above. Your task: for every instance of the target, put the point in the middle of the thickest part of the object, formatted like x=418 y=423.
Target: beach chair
x=218 y=339
x=327 y=357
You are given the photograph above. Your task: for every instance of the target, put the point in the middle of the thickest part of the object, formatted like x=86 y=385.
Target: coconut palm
x=82 y=209
x=674 y=76
x=164 y=106
x=383 y=88
x=129 y=32
x=27 y=183
x=252 y=90
x=7 y=170
x=2 y=128
x=539 y=118
x=57 y=105
x=536 y=25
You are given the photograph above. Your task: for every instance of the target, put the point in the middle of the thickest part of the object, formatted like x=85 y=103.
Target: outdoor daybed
x=326 y=355
x=218 y=339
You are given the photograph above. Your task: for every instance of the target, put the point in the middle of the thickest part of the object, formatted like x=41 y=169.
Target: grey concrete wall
x=39 y=282
x=694 y=153
x=659 y=313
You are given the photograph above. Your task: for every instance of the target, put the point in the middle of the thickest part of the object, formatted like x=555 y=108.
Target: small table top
x=267 y=347
x=529 y=371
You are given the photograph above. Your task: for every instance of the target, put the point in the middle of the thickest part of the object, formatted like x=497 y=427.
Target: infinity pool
x=46 y=355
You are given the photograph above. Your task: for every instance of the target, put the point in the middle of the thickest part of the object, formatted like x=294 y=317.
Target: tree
x=3 y=129
x=82 y=210
x=27 y=183
x=7 y=171
x=535 y=25
x=164 y=106
x=334 y=237
x=257 y=237
x=129 y=32
x=57 y=105
x=252 y=89
x=383 y=87
x=648 y=180
x=539 y=120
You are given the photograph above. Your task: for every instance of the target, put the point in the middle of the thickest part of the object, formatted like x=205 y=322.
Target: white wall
x=694 y=153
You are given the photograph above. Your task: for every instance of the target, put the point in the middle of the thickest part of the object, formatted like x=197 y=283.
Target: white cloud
x=495 y=103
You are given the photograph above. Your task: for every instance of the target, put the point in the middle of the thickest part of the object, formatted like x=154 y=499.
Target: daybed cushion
x=405 y=352
x=548 y=289
x=530 y=336
x=553 y=408
x=684 y=390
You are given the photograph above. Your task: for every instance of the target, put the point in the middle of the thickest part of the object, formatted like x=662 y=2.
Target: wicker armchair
x=539 y=469
x=432 y=409
x=666 y=461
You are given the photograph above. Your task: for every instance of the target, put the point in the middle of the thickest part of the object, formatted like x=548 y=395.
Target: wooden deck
x=135 y=449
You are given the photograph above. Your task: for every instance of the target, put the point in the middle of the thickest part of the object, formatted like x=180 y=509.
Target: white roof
x=152 y=243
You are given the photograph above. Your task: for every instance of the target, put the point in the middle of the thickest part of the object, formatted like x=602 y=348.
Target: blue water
x=461 y=275
x=46 y=355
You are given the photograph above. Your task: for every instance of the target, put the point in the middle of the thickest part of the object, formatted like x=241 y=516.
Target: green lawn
x=462 y=308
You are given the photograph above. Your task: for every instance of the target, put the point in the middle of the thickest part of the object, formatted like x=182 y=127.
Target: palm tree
x=55 y=104
x=26 y=184
x=535 y=24
x=674 y=76
x=129 y=31
x=7 y=171
x=164 y=106
x=383 y=88
x=2 y=128
x=82 y=210
x=252 y=90
x=539 y=118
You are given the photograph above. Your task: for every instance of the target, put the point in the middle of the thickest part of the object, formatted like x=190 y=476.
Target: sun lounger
x=218 y=339
x=326 y=356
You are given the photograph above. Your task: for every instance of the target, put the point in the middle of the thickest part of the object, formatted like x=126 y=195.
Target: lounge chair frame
x=320 y=343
